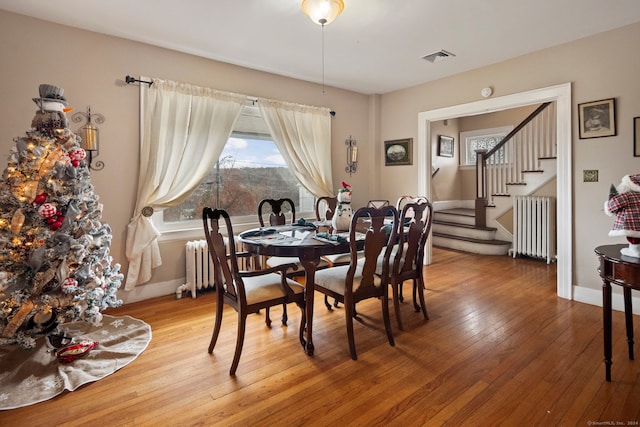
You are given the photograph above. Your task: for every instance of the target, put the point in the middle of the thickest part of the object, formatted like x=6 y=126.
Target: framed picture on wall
x=445 y=146
x=597 y=118
x=398 y=152
x=636 y=136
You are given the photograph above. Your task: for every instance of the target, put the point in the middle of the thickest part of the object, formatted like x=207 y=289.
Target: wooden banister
x=482 y=157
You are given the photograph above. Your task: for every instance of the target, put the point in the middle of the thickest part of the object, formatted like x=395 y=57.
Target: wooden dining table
x=296 y=241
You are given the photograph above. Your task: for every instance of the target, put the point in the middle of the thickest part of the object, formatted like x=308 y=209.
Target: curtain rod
x=129 y=80
x=252 y=100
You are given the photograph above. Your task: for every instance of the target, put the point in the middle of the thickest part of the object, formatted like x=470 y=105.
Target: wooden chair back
x=377 y=203
x=379 y=238
x=415 y=218
x=225 y=262
x=326 y=208
x=413 y=232
x=278 y=209
x=403 y=200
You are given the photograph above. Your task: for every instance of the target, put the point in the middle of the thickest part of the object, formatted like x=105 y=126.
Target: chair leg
x=303 y=322
x=284 y=315
x=387 y=320
x=218 y=321
x=349 y=315
x=267 y=319
x=400 y=296
x=326 y=302
x=242 y=321
x=418 y=287
x=397 y=290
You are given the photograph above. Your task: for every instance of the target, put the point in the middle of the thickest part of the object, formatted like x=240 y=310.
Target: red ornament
x=75 y=163
x=56 y=225
x=40 y=198
x=78 y=154
x=47 y=210
x=69 y=284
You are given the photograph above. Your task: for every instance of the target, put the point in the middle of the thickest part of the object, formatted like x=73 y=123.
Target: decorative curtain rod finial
x=128 y=79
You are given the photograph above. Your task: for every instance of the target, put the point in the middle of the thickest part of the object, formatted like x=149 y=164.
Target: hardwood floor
x=500 y=348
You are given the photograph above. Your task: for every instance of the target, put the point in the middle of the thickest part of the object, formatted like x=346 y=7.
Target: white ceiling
x=374 y=46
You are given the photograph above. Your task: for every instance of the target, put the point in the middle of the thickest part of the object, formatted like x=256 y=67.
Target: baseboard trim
x=594 y=297
x=150 y=290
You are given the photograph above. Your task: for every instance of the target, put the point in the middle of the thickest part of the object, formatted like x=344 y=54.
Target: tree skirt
x=32 y=376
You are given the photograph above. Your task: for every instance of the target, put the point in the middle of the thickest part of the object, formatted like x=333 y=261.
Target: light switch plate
x=590 y=175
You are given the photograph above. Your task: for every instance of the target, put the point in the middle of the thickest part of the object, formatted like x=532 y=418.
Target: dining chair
x=246 y=291
x=358 y=280
x=408 y=254
x=402 y=200
x=326 y=207
x=377 y=203
x=277 y=216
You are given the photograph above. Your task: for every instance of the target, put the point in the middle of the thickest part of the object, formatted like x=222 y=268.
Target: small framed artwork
x=636 y=136
x=445 y=146
x=398 y=152
x=597 y=118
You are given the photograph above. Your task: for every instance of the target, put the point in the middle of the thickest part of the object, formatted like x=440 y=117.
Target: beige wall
x=446 y=184
x=593 y=77
x=91 y=67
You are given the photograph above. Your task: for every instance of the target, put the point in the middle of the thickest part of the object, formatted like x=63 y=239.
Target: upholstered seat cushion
x=334 y=278
x=394 y=251
x=267 y=287
x=277 y=261
x=338 y=259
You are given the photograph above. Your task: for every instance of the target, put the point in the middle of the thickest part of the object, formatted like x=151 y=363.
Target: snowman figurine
x=50 y=119
x=341 y=221
x=624 y=204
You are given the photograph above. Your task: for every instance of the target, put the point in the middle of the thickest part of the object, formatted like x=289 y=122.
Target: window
x=484 y=139
x=249 y=169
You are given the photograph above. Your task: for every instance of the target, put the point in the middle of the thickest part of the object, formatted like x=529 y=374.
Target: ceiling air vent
x=438 y=56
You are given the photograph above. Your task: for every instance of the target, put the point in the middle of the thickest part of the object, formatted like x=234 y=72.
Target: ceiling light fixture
x=322 y=12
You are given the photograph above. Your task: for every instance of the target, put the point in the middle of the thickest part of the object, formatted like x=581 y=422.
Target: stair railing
x=518 y=152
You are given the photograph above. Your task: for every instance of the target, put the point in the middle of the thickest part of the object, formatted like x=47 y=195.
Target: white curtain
x=302 y=133
x=184 y=131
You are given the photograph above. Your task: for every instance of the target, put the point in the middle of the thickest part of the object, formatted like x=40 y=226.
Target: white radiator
x=199 y=268
x=534 y=227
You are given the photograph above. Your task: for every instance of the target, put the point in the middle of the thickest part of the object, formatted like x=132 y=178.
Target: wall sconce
x=90 y=136
x=352 y=155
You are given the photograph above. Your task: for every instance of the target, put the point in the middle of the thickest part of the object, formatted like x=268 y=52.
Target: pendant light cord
x=323 y=58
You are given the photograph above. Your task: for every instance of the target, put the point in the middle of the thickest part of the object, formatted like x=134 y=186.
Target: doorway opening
x=561 y=94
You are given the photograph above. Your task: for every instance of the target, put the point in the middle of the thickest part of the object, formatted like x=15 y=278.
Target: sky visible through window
x=252 y=153
x=250 y=170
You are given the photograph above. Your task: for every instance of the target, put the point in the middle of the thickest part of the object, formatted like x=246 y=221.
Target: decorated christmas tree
x=55 y=265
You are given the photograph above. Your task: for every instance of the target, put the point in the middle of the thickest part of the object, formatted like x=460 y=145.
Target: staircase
x=455 y=229
x=523 y=162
